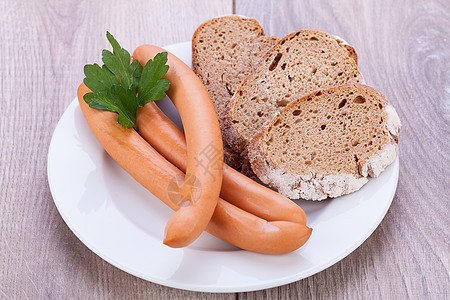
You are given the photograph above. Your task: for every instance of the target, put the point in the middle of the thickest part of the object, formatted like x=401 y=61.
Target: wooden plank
x=44 y=45
x=403 y=50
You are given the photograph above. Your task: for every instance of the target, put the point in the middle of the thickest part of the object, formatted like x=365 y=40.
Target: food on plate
x=204 y=142
x=327 y=143
x=237 y=189
x=156 y=174
x=224 y=51
x=300 y=63
x=120 y=86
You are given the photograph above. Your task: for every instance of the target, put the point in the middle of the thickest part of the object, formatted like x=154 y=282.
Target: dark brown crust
x=352 y=52
x=232 y=158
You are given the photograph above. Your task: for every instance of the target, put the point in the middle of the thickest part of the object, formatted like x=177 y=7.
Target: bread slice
x=302 y=62
x=224 y=51
x=327 y=143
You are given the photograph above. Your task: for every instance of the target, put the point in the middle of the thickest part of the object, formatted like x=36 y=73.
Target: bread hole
x=319 y=93
x=287 y=126
x=347 y=149
x=313 y=38
x=277 y=122
x=234 y=121
x=342 y=103
x=359 y=100
x=289 y=77
x=314 y=70
x=287 y=49
x=282 y=102
x=308 y=162
x=296 y=112
x=323 y=127
x=340 y=73
x=283 y=66
x=333 y=63
x=275 y=61
x=240 y=93
x=315 y=111
x=284 y=152
x=380 y=106
x=287 y=140
x=260 y=114
x=355 y=143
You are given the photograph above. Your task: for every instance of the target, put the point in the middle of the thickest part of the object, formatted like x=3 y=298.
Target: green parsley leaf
x=122 y=87
x=99 y=79
x=116 y=99
x=118 y=62
x=151 y=86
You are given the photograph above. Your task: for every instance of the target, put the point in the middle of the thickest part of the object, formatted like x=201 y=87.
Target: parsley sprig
x=122 y=87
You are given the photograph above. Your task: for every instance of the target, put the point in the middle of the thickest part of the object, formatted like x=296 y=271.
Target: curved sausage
x=204 y=144
x=156 y=174
x=154 y=126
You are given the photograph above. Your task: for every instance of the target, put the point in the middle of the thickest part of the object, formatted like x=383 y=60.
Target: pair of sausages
x=257 y=219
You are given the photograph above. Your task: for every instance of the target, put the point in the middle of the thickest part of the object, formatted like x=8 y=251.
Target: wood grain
x=403 y=49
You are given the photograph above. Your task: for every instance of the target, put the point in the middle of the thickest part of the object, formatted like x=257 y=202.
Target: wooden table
x=403 y=48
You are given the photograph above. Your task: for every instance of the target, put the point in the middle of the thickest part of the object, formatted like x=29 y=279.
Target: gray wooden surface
x=403 y=49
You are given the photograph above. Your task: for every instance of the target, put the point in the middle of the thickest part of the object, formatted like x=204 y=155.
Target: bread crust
x=322 y=186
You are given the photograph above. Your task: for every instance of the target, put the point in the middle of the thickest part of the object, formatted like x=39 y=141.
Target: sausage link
x=204 y=144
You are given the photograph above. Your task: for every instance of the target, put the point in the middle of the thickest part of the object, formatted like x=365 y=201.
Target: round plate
x=123 y=223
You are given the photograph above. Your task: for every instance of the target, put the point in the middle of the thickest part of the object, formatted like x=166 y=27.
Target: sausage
x=156 y=174
x=204 y=144
x=154 y=126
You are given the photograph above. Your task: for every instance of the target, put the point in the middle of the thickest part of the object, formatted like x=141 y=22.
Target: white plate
x=123 y=223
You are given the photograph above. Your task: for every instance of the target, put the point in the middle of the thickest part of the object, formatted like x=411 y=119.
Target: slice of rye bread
x=302 y=62
x=224 y=51
x=327 y=143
